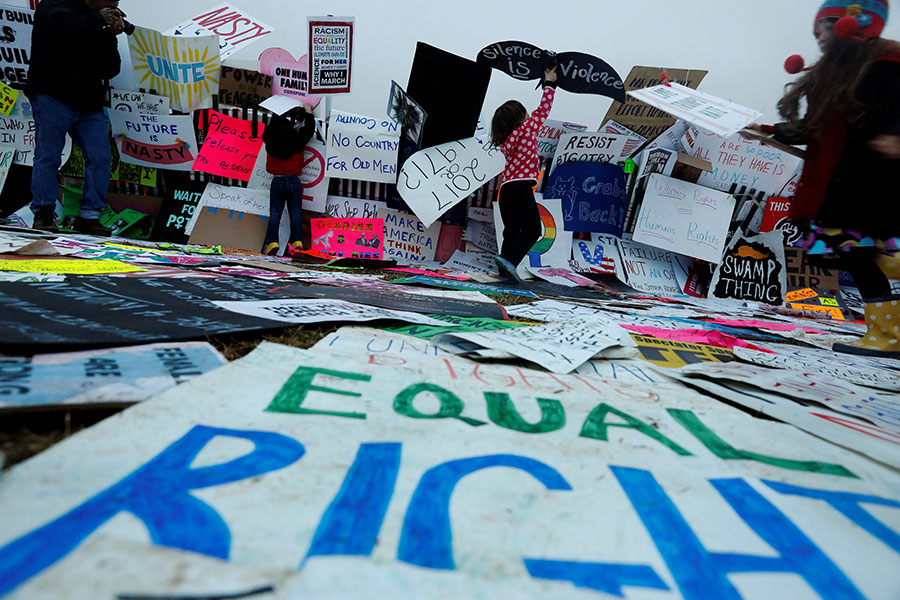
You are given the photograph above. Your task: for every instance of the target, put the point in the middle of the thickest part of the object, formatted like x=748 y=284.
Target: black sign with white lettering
x=519 y=60
x=176 y=211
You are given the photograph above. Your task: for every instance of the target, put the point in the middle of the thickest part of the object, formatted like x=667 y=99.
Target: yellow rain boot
x=883 y=337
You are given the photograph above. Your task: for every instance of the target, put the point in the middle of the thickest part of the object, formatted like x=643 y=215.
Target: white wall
x=742 y=43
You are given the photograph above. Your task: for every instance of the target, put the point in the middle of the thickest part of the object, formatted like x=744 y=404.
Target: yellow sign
x=674 y=355
x=8 y=98
x=834 y=312
x=137 y=248
x=800 y=295
x=68 y=266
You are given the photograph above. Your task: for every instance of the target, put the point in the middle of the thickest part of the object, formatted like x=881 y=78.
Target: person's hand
x=887 y=145
x=112 y=19
x=308 y=107
x=550 y=75
x=755 y=132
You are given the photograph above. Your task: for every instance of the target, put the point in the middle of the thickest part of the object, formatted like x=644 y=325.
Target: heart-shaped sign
x=290 y=77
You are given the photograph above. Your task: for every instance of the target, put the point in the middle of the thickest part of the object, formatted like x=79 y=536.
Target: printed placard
x=407 y=239
x=685 y=218
x=138 y=102
x=235 y=28
x=635 y=140
x=183 y=69
x=589 y=147
x=230 y=148
x=712 y=114
x=16 y=23
x=753 y=268
x=435 y=179
x=151 y=140
x=291 y=79
x=348 y=238
x=362 y=148
x=550 y=134
x=330 y=54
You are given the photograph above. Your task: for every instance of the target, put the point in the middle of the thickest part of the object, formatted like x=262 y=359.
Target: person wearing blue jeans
x=73 y=55
x=286 y=189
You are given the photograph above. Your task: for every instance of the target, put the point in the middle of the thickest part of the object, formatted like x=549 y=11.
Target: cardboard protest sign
x=753 y=268
x=179 y=204
x=240 y=87
x=589 y=147
x=8 y=99
x=236 y=29
x=519 y=60
x=711 y=114
x=362 y=148
x=741 y=164
x=230 y=198
x=18 y=132
x=151 y=140
x=551 y=132
x=407 y=113
x=801 y=274
x=230 y=228
x=406 y=239
x=138 y=102
x=685 y=218
x=353 y=238
x=352 y=208
x=16 y=24
x=641 y=118
x=315 y=183
x=183 y=69
x=554 y=248
x=649 y=269
x=330 y=54
x=594 y=196
x=231 y=147
x=435 y=179
x=117 y=376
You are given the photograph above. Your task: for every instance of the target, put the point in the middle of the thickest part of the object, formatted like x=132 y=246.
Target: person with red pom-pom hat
x=847 y=201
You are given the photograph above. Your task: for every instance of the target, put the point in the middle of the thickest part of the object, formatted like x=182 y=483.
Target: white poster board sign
x=362 y=148
x=649 y=269
x=553 y=248
x=589 y=147
x=254 y=202
x=138 y=102
x=340 y=207
x=434 y=180
x=407 y=239
x=154 y=140
x=236 y=29
x=685 y=218
x=19 y=132
x=550 y=133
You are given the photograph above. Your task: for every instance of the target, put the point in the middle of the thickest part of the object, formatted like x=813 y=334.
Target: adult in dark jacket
x=847 y=200
x=285 y=138
x=73 y=54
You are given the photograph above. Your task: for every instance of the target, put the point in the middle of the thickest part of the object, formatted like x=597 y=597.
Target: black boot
x=45 y=220
x=91 y=227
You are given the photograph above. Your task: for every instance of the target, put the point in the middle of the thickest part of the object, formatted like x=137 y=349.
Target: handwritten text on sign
x=235 y=28
x=435 y=179
x=150 y=140
x=231 y=148
x=362 y=148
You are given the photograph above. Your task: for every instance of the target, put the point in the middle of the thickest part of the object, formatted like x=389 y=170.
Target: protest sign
x=673 y=354
x=177 y=209
x=406 y=112
x=117 y=376
x=554 y=248
x=801 y=274
x=231 y=147
x=406 y=238
x=290 y=77
x=72 y=266
x=519 y=60
x=635 y=140
x=243 y=200
x=321 y=311
x=481 y=235
x=711 y=114
x=348 y=238
x=594 y=196
x=681 y=476
x=557 y=276
x=315 y=184
x=641 y=118
x=183 y=69
x=229 y=228
x=649 y=269
x=19 y=132
x=472 y=262
x=138 y=102
x=362 y=148
x=330 y=54
x=741 y=164
x=753 y=268
x=598 y=256
x=581 y=73
x=240 y=87
x=551 y=132
x=235 y=28
x=8 y=99
x=589 y=147
x=16 y=24
x=451 y=284
x=435 y=179
x=150 y=140
x=352 y=208
x=7 y=155
x=778 y=217
x=685 y=218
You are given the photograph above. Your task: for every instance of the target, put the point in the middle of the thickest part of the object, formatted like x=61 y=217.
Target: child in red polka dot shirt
x=515 y=133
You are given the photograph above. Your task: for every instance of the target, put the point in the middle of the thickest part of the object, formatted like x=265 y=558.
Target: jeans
x=90 y=131
x=521 y=220
x=285 y=189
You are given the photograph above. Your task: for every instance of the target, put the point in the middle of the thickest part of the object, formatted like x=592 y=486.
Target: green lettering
x=451 y=405
x=726 y=451
x=596 y=427
x=292 y=394
x=503 y=412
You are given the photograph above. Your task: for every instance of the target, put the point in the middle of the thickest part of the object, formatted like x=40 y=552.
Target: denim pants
x=90 y=131
x=285 y=189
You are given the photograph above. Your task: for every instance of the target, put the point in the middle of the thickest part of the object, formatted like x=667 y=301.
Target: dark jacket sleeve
x=306 y=130
x=885 y=98
x=109 y=63
x=72 y=28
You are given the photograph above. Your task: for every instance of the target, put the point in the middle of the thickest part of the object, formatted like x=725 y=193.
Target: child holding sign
x=516 y=135
x=285 y=138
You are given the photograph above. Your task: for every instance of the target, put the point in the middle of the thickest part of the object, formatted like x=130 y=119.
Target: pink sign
x=349 y=238
x=289 y=77
x=230 y=148
x=695 y=336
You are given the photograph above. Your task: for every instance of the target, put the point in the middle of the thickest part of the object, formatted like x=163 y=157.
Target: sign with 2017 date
x=433 y=180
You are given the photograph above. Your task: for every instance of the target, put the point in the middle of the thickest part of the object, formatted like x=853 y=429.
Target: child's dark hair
x=506 y=119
